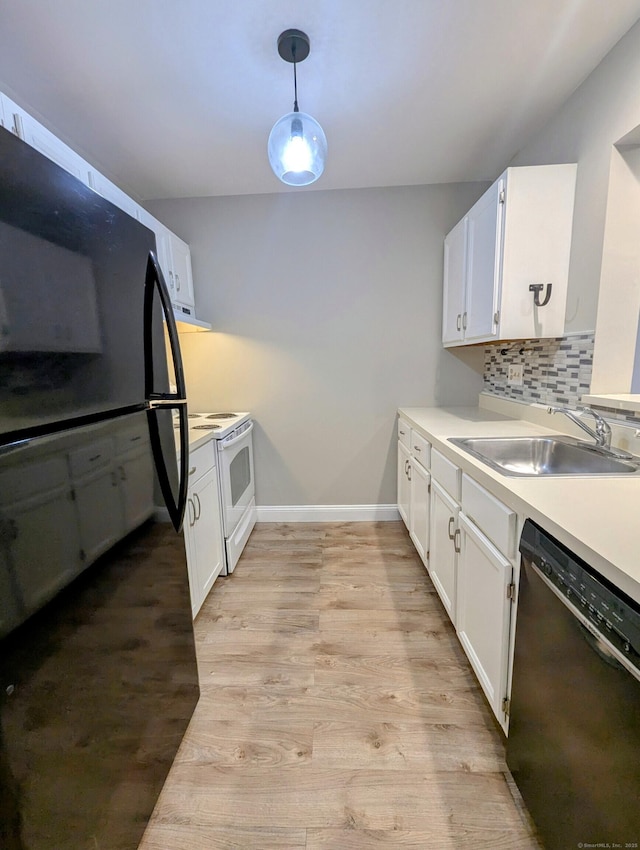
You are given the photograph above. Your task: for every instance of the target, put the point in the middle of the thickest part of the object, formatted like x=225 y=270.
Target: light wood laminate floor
x=338 y=710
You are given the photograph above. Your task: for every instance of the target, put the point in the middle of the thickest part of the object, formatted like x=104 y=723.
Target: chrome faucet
x=602 y=433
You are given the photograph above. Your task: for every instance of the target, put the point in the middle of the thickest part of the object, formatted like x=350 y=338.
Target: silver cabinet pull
x=197 y=498
x=452 y=519
x=401 y=433
x=464 y=320
x=177 y=282
x=192 y=522
x=456 y=541
x=409 y=470
x=417 y=449
x=192 y=470
x=458 y=320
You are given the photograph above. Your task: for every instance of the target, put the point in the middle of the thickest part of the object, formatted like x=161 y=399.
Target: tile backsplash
x=555 y=371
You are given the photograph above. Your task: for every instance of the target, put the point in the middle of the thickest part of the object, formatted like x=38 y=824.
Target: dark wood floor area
x=338 y=710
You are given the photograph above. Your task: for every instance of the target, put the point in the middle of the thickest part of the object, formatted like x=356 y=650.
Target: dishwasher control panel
x=614 y=614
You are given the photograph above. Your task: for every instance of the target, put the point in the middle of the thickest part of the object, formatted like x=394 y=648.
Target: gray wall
x=601 y=111
x=326 y=308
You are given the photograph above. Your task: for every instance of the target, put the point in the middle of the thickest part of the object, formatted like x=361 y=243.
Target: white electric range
x=232 y=433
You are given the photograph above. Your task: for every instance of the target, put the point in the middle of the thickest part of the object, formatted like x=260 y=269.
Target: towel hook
x=537 y=288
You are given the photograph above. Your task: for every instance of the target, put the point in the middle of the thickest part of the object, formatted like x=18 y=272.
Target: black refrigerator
x=98 y=676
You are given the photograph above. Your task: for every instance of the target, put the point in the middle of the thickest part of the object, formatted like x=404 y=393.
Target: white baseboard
x=327 y=513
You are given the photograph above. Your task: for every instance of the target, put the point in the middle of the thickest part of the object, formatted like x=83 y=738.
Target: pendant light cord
x=295 y=79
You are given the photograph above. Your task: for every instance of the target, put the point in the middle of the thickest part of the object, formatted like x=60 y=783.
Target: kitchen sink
x=552 y=455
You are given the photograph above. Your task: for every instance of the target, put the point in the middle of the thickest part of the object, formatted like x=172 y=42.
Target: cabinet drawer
x=404 y=433
x=33 y=479
x=91 y=457
x=134 y=437
x=420 y=449
x=495 y=519
x=446 y=473
x=200 y=460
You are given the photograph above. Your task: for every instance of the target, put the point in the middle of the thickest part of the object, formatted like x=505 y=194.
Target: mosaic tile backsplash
x=555 y=371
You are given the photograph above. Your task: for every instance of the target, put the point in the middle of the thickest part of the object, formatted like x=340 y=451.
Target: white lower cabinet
x=419 y=508
x=444 y=548
x=203 y=527
x=404 y=482
x=483 y=611
x=468 y=540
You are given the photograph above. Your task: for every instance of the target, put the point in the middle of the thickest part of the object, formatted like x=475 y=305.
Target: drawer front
x=493 y=518
x=201 y=460
x=446 y=473
x=135 y=437
x=93 y=456
x=404 y=433
x=33 y=479
x=420 y=449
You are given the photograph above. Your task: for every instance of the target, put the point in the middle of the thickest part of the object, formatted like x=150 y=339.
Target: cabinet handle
x=197 y=498
x=409 y=470
x=458 y=320
x=456 y=540
x=177 y=282
x=192 y=522
x=452 y=519
x=192 y=470
x=464 y=321
x=417 y=449
x=401 y=433
x=171 y=280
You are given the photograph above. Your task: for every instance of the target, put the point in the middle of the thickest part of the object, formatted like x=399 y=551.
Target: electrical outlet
x=515 y=374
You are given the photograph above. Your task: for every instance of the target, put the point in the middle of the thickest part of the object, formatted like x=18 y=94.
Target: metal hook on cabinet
x=537 y=288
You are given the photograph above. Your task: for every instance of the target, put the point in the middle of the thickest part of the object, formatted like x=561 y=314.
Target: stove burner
x=193 y=416
x=208 y=427
x=222 y=416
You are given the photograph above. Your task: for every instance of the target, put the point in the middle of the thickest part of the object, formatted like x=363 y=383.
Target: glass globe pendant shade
x=297 y=149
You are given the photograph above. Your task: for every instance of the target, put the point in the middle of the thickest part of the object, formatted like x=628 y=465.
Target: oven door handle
x=224 y=445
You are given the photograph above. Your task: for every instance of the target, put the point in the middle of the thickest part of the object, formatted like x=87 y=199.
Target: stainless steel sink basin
x=552 y=455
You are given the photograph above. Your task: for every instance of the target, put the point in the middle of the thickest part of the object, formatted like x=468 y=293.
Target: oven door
x=237 y=487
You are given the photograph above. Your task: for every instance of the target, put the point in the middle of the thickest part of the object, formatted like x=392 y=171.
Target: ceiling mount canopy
x=297 y=145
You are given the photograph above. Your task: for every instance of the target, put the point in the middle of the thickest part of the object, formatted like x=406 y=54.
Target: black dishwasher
x=574 y=731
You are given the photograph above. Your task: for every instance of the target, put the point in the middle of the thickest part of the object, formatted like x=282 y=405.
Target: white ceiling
x=175 y=98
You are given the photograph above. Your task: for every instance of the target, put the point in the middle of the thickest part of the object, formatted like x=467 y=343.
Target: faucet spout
x=602 y=432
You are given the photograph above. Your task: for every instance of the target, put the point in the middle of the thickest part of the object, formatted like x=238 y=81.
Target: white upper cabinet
x=517 y=235
x=34 y=134
x=112 y=193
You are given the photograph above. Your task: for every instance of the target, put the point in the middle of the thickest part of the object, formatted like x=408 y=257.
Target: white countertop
x=598 y=518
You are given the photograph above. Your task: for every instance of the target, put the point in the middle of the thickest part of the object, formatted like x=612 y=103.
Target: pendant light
x=297 y=144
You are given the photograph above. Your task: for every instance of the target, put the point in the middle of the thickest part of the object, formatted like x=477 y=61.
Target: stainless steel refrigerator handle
x=154 y=280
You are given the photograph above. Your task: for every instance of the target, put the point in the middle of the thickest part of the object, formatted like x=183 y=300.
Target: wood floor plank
x=193 y=836
x=242 y=743
x=452 y=838
x=273 y=620
x=406 y=745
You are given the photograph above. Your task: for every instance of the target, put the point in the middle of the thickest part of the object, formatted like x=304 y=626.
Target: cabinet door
x=443 y=547
x=484 y=611
x=34 y=134
x=49 y=516
x=135 y=471
x=183 y=278
x=404 y=482
x=112 y=193
x=483 y=265
x=455 y=253
x=419 y=509
x=99 y=512
x=207 y=532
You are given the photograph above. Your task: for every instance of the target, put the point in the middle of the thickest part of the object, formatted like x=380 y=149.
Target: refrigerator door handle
x=154 y=280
